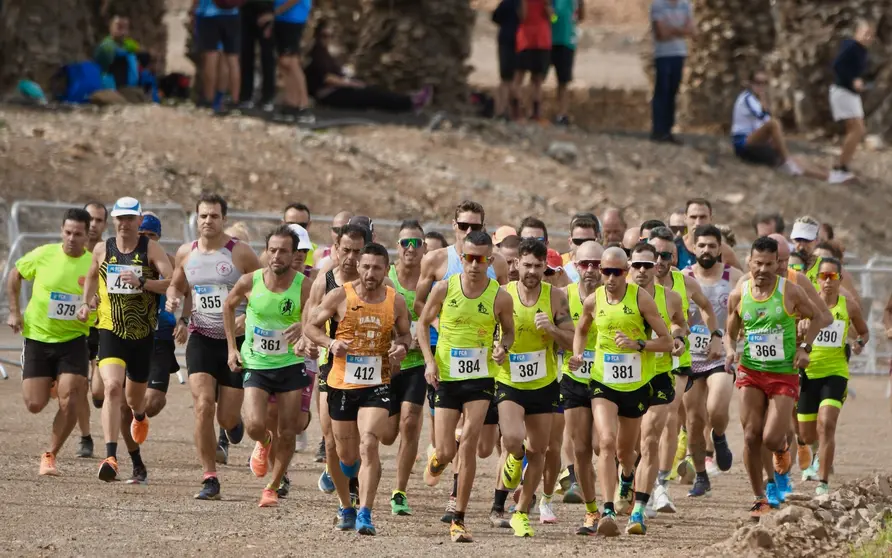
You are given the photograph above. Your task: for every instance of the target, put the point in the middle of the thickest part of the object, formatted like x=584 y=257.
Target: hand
x=293 y=333
x=499 y=353
x=173 y=304
x=15 y=321
x=311 y=350
x=731 y=361
x=180 y=333
x=857 y=348
x=397 y=352
x=339 y=348
x=82 y=313
x=432 y=374
x=543 y=322
x=802 y=359
x=234 y=360
x=677 y=347
x=623 y=342
x=802 y=328
x=858 y=84
x=130 y=278
x=715 y=349
x=574 y=363
x=240 y=326
x=265 y=19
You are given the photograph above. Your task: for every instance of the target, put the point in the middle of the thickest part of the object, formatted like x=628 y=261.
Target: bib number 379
x=63 y=306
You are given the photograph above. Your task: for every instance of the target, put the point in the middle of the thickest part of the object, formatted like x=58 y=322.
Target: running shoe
x=520 y=522
x=681 y=450
x=685 y=471
x=433 y=471
x=364 y=525
x=625 y=498
x=210 y=489
x=512 y=472
x=760 y=508
x=784 y=486
x=497 y=519
x=546 y=514
x=702 y=487
x=712 y=467
x=108 y=469
x=300 y=442
x=450 y=511
x=222 y=456
x=139 y=430
x=140 y=475
x=268 y=499
x=346 y=519
x=260 y=458
x=237 y=433
x=783 y=461
x=459 y=533
x=48 y=465
x=563 y=482
x=723 y=456
x=822 y=488
x=325 y=483
x=772 y=495
x=85 y=447
x=803 y=456
x=813 y=471
x=399 y=503
x=636 y=524
x=649 y=511
x=573 y=495
x=589 y=524
x=320 y=452
x=284 y=487
x=607 y=526
x=662 y=501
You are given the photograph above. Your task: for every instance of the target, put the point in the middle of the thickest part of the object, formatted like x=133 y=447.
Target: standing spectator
x=563 y=51
x=533 y=50
x=288 y=30
x=506 y=16
x=252 y=33
x=672 y=23
x=217 y=29
x=845 y=95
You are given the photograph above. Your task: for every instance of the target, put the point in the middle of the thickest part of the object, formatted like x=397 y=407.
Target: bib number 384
x=115 y=283
x=622 y=368
x=527 y=367
x=467 y=364
x=209 y=298
x=363 y=370
x=767 y=347
x=270 y=341
x=63 y=306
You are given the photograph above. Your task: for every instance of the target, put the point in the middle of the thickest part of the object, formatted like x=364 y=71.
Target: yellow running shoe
x=459 y=533
x=680 y=450
x=520 y=522
x=563 y=482
x=512 y=472
x=433 y=470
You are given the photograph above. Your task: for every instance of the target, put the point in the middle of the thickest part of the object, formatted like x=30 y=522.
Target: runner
x=408 y=388
x=508 y=250
x=582 y=229
x=698 y=212
x=322 y=256
x=825 y=380
x=763 y=310
x=613 y=225
x=270 y=356
x=297 y=213
x=373 y=333
x=576 y=389
x=805 y=240
x=624 y=316
x=55 y=350
x=208 y=269
x=126 y=273
x=469 y=305
x=434 y=240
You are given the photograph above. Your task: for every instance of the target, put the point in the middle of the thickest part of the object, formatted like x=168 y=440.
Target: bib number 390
x=270 y=342
x=115 y=283
x=465 y=364
x=832 y=335
x=63 y=306
x=622 y=368
x=363 y=370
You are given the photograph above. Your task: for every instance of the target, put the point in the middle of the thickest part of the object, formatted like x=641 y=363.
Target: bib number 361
x=622 y=368
x=270 y=342
x=363 y=370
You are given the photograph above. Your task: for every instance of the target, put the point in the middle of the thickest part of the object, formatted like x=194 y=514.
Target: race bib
x=270 y=341
x=832 y=335
x=63 y=306
x=363 y=370
x=584 y=372
x=699 y=339
x=527 y=367
x=767 y=347
x=209 y=298
x=413 y=327
x=468 y=364
x=115 y=285
x=624 y=368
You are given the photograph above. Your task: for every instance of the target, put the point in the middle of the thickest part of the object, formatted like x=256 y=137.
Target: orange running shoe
x=139 y=430
x=783 y=461
x=108 y=469
x=760 y=508
x=269 y=498
x=803 y=455
x=48 y=465
x=260 y=457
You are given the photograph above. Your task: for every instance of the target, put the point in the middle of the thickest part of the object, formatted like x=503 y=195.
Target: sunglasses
x=539 y=238
x=678 y=229
x=549 y=272
x=588 y=264
x=825 y=275
x=797 y=267
x=667 y=256
x=613 y=271
x=642 y=265
x=465 y=226
x=411 y=242
x=581 y=241
x=471 y=258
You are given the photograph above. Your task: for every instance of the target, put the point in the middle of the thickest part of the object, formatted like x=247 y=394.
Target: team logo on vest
x=482 y=309
x=223 y=268
x=113 y=259
x=627 y=311
x=601 y=313
x=453 y=303
x=286 y=307
x=136 y=259
x=575 y=315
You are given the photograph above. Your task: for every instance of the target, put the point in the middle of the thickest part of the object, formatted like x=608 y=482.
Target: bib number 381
x=209 y=298
x=363 y=370
x=767 y=347
x=467 y=364
x=270 y=342
x=63 y=306
x=115 y=283
x=622 y=368
x=527 y=367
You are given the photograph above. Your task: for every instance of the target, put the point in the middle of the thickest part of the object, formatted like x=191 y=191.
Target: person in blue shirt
x=217 y=29
x=289 y=20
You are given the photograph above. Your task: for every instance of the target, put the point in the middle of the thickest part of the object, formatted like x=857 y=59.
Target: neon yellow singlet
x=467 y=326
x=662 y=361
x=828 y=358
x=678 y=285
x=584 y=374
x=531 y=362
x=621 y=369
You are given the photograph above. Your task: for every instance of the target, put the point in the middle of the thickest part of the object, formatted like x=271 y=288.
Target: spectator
x=290 y=20
x=677 y=223
x=563 y=51
x=506 y=17
x=533 y=50
x=672 y=23
x=254 y=32
x=123 y=61
x=845 y=96
x=217 y=29
x=768 y=223
x=330 y=87
x=757 y=138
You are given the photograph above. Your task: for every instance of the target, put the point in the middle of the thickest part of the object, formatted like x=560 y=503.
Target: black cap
x=363 y=222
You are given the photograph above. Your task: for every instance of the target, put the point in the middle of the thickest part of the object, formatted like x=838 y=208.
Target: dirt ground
x=76 y=514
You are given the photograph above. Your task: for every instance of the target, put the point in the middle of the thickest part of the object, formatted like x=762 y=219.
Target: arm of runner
x=732 y=329
x=887 y=318
x=294 y=332
x=178 y=283
x=561 y=330
x=181 y=330
x=651 y=315
x=679 y=329
x=159 y=259
x=580 y=337
x=729 y=257
x=426 y=317
x=13 y=291
x=504 y=309
x=239 y=293
x=425 y=281
x=244 y=258
x=856 y=316
x=500 y=266
x=402 y=328
x=91 y=282
x=817 y=321
x=808 y=288
x=315 y=327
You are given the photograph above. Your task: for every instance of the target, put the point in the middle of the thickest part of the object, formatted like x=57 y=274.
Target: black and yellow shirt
x=127 y=311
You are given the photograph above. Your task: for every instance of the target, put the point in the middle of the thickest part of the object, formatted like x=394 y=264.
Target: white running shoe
x=840 y=177
x=712 y=467
x=546 y=514
x=649 y=510
x=791 y=167
x=300 y=442
x=662 y=501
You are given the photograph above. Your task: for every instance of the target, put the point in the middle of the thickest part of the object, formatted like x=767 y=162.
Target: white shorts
x=844 y=104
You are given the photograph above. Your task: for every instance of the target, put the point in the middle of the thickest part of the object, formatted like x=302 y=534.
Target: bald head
x=614 y=257
x=589 y=251
x=341 y=219
x=864 y=32
x=631 y=237
x=612 y=225
x=783 y=248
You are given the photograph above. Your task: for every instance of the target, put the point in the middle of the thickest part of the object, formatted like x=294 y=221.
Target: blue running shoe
x=210 y=489
x=636 y=524
x=702 y=487
x=364 y=524
x=784 y=486
x=326 y=485
x=236 y=434
x=771 y=494
x=346 y=519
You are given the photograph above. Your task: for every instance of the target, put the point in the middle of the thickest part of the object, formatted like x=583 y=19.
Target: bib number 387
x=527 y=367
x=115 y=283
x=363 y=370
x=467 y=364
x=767 y=347
x=270 y=342
x=63 y=306
x=622 y=368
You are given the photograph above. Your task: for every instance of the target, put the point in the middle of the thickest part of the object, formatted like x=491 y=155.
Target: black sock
x=824 y=481
x=458 y=517
x=354 y=485
x=140 y=417
x=111 y=449
x=87 y=437
x=136 y=458
x=608 y=508
x=622 y=477
x=572 y=470
x=703 y=476
x=498 y=500
x=97 y=403
x=454 y=485
x=642 y=497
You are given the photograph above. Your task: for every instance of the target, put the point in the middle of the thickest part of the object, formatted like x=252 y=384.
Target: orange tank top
x=368 y=329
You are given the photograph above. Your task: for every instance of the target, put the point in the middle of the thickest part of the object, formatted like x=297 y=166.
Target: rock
x=874 y=142
x=760 y=538
x=563 y=152
x=823 y=515
x=797 y=497
x=860 y=502
x=817 y=532
x=790 y=514
x=823 y=500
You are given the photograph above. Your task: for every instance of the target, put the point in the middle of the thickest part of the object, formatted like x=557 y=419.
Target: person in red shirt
x=534 y=49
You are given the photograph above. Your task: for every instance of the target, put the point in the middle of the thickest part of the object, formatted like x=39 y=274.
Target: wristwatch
x=805 y=347
x=718 y=333
x=861 y=342
x=641 y=345
x=142 y=281
x=184 y=320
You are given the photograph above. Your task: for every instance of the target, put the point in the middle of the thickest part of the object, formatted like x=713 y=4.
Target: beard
x=707 y=261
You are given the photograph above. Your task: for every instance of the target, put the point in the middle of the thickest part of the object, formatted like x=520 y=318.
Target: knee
x=35 y=406
x=607 y=444
x=155 y=403
x=114 y=390
x=826 y=427
x=485 y=447
x=626 y=454
x=409 y=423
x=775 y=441
x=204 y=408
x=368 y=446
x=446 y=451
x=752 y=437
x=807 y=435
x=287 y=431
x=512 y=440
x=650 y=443
x=582 y=454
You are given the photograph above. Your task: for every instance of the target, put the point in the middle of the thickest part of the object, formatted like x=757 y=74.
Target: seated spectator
x=759 y=139
x=123 y=62
x=328 y=84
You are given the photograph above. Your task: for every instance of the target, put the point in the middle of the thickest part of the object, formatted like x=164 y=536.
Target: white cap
x=804 y=231
x=126 y=206
x=303 y=237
